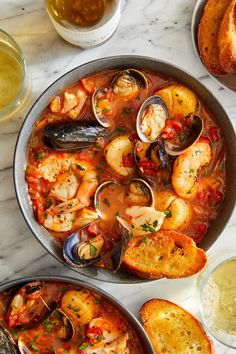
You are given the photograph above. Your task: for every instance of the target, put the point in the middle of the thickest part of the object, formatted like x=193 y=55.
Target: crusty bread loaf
x=172 y=330
x=165 y=254
x=208 y=30
x=227 y=39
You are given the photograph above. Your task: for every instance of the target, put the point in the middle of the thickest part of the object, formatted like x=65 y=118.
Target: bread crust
x=208 y=31
x=167 y=254
x=171 y=327
x=227 y=39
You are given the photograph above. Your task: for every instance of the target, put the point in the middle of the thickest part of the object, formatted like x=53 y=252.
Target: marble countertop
x=159 y=29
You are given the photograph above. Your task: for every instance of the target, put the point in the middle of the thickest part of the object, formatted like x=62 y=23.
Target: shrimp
x=73 y=184
x=187 y=165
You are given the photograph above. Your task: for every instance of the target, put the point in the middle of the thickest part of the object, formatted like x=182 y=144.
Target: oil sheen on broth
x=11 y=76
x=82 y=13
x=219 y=298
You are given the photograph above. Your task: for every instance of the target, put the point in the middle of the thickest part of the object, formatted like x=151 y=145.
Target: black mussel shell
x=118 y=252
x=72 y=136
x=70 y=253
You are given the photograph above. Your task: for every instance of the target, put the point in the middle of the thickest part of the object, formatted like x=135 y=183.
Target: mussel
x=101 y=107
x=193 y=131
x=57 y=326
x=72 y=136
x=80 y=250
x=136 y=192
x=127 y=83
x=31 y=304
x=153 y=162
x=151 y=119
x=6 y=344
x=118 y=251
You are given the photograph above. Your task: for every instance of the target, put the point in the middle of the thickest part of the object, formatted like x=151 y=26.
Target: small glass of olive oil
x=217 y=295
x=13 y=79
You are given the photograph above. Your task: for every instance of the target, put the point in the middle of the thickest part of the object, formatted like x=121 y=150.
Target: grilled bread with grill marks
x=172 y=330
x=167 y=254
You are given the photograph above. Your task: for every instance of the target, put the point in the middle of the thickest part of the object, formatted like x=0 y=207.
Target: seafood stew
x=121 y=154
x=60 y=317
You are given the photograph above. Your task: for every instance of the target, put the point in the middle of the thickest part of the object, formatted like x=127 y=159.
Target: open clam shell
x=100 y=114
x=151 y=119
x=72 y=136
x=6 y=343
x=82 y=253
x=137 y=192
x=127 y=82
x=194 y=132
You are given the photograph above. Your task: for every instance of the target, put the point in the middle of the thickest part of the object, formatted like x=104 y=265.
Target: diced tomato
x=214 y=133
x=171 y=128
x=92 y=229
x=199 y=230
x=128 y=161
x=94 y=332
x=44 y=185
x=89 y=85
x=215 y=197
x=146 y=164
x=204 y=139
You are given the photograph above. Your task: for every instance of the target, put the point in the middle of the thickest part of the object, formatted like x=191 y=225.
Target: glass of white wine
x=14 y=82
x=216 y=286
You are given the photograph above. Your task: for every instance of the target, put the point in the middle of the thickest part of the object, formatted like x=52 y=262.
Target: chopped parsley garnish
x=70 y=169
x=106 y=110
x=168 y=213
x=155 y=223
x=182 y=137
x=48 y=203
x=145 y=239
x=106 y=201
x=83 y=346
x=92 y=249
x=148 y=227
x=45 y=216
x=39 y=155
x=127 y=110
x=120 y=130
x=48 y=326
x=74 y=309
x=81 y=168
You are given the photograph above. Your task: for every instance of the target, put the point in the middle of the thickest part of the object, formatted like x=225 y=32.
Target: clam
x=72 y=136
x=136 y=192
x=151 y=119
x=6 y=343
x=127 y=83
x=101 y=107
x=118 y=251
x=188 y=138
x=81 y=251
x=153 y=162
x=58 y=324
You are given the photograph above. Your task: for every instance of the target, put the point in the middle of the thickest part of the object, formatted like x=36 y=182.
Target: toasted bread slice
x=165 y=254
x=171 y=329
x=208 y=30
x=227 y=39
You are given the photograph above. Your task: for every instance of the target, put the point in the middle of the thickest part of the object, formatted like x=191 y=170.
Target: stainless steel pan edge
x=148 y=349
x=20 y=157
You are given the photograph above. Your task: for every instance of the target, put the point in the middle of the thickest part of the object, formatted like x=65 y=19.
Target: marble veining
x=155 y=28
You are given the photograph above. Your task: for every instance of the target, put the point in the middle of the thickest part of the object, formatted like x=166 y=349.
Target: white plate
x=227 y=81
